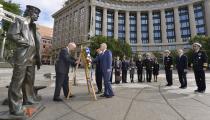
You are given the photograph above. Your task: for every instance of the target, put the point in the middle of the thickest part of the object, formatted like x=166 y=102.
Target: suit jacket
x=28 y=43
x=181 y=63
x=199 y=60
x=125 y=65
x=106 y=61
x=148 y=63
x=139 y=65
x=64 y=61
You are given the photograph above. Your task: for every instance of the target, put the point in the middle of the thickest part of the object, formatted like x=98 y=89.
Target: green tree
x=13 y=8
x=159 y=56
x=117 y=48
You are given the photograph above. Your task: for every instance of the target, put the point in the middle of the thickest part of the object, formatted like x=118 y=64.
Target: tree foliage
x=117 y=48
x=11 y=7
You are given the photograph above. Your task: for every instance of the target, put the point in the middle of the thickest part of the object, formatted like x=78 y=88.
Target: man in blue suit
x=181 y=66
x=62 y=69
x=105 y=59
x=106 y=68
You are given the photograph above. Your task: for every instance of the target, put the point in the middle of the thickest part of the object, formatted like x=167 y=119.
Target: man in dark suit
x=139 y=65
x=168 y=63
x=199 y=64
x=26 y=56
x=125 y=66
x=148 y=63
x=98 y=73
x=106 y=68
x=181 y=66
x=62 y=69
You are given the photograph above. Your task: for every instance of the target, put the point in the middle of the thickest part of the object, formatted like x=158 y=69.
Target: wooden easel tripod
x=91 y=90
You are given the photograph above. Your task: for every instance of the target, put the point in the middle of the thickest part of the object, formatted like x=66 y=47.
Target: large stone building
x=147 y=25
x=46 y=44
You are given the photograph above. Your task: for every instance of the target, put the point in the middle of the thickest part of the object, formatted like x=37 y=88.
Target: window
x=98 y=24
x=132 y=28
x=169 y=14
x=110 y=24
x=157 y=27
x=98 y=18
x=199 y=18
x=109 y=33
x=133 y=32
x=144 y=28
x=121 y=26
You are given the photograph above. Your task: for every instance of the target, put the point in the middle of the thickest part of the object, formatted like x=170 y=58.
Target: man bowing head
x=65 y=59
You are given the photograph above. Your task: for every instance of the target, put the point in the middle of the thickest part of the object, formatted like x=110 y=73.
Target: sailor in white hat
x=168 y=63
x=197 y=44
x=199 y=65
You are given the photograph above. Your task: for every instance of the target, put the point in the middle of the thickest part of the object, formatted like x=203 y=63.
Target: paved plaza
x=132 y=101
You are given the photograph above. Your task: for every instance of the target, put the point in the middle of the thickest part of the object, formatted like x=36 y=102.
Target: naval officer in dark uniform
x=168 y=63
x=199 y=64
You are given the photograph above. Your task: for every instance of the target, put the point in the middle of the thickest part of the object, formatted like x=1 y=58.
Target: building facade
x=147 y=25
x=46 y=44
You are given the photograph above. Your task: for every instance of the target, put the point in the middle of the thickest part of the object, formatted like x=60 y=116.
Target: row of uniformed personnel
x=198 y=64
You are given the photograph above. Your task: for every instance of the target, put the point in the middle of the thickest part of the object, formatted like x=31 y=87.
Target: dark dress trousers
x=132 y=66
x=98 y=74
x=117 y=67
x=181 y=65
x=168 y=62
x=148 y=63
x=156 y=68
x=139 y=66
x=125 y=66
x=112 y=71
x=25 y=57
x=62 y=69
x=199 y=62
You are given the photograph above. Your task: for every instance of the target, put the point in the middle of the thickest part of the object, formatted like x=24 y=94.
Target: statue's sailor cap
x=32 y=8
x=198 y=44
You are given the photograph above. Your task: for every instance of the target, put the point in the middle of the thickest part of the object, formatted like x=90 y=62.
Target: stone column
x=104 y=28
x=127 y=27
x=93 y=21
x=151 y=29
x=116 y=24
x=192 y=20
x=177 y=25
x=207 y=16
x=139 y=42
x=163 y=27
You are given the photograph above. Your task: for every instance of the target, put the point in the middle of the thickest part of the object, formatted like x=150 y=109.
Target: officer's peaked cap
x=198 y=44
x=32 y=8
x=167 y=51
